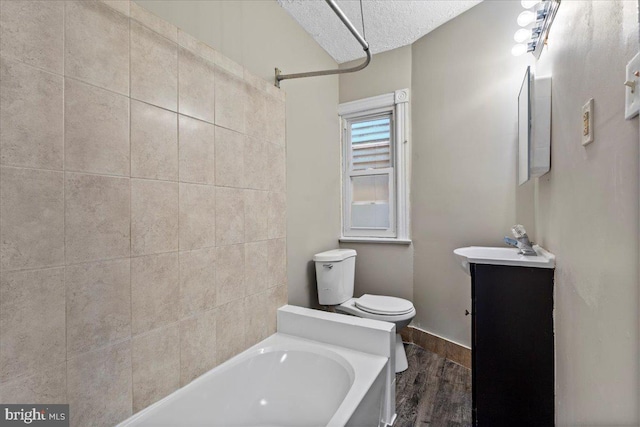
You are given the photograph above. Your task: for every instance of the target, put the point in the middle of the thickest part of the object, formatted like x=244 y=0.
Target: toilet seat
x=383 y=305
x=350 y=307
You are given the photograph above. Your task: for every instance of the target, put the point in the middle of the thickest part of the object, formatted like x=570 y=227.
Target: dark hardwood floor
x=433 y=392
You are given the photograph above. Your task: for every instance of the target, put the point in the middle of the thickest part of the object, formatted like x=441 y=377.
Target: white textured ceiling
x=388 y=24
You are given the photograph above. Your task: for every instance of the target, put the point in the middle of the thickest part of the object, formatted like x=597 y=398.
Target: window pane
x=371 y=144
x=370 y=205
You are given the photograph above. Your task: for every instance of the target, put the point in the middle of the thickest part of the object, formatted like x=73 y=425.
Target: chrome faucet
x=521 y=240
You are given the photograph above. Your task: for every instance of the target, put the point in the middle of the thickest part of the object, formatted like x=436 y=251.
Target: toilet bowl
x=402 y=316
x=335 y=272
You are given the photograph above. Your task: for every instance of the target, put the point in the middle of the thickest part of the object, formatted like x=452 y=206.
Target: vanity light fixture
x=528 y=4
x=536 y=21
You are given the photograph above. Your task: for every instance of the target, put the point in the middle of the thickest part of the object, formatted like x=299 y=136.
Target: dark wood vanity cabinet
x=512 y=346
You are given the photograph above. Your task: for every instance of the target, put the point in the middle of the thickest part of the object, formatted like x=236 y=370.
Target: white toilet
x=335 y=272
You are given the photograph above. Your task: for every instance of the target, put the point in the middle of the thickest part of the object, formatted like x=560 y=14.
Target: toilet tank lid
x=334 y=255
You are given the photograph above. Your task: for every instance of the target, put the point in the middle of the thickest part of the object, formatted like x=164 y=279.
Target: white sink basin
x=503 y=256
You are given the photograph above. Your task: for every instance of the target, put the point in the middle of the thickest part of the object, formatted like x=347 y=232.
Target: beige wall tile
x=277 y=215
x=198 y=347
x=196 y=46
x=197 y=216
x=98 y=299
x=197 y=281
x=256 y=322
x=154 y=142
x=155 y=291
x=280 y=296
x=197 y=144
x=154 y=216
x=196 y=86
x=32 y=32
x=256 y=82
x=230 y=330
x=97 y=45
x=228 y=65
x=230 y=97
x=277 y=298
x=32 y=321
x=229 y=276
x=277 y=167
x=229 y=146
x=155 y=359
x=277 y=260
x=276 y=121
x=276 y=92
x=31 y=218
x=256 y=206
x=256 y=167
x=45 y=387
x=135 y=317
x=31 y=116
x=96 y=128
x=255 y=113
x=154 y=68
x=99 y=386
x=97 y=222
x=121 y=6
x=256 y=269
x=229 y=216
x=153 y=22
x=264 y=85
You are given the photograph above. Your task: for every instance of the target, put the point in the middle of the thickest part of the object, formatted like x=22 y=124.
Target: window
x=374 y=182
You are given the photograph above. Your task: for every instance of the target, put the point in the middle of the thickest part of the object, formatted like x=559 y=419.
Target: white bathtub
x=281 y=381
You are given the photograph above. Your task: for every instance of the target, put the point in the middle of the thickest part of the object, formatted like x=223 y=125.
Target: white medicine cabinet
x=534 y=127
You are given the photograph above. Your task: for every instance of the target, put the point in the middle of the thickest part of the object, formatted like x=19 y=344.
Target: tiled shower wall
x=142 y=207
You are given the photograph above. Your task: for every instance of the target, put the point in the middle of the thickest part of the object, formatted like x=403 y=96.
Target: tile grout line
x=1 y=204
x=130 y=216
x=118 y=258
x=95 y=85
x=178 y=146
x=92 y=84
x=64 y=199
x=133 y=98
x=10 y=58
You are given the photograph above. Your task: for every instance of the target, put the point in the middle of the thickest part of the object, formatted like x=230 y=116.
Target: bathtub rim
x=366 y=368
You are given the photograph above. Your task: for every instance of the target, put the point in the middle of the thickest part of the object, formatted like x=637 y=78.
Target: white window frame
x=397 y=103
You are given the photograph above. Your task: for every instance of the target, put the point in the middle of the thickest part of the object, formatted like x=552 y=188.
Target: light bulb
x=526 y=18
x=519 y=49
x=528 y=4
x=522 y=35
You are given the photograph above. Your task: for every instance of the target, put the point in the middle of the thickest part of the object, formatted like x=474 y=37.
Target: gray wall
x=381 y=268
x=465 y=89
x=587 y=214
x=260 y=35
x=585 y=210
x=388 y=71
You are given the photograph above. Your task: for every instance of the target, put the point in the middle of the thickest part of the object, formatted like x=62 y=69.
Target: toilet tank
x=335 y=272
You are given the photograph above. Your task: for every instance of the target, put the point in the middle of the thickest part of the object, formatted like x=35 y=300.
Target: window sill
x=392 y=241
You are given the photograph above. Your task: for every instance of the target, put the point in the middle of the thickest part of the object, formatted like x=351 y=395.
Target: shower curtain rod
x=350 y=27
